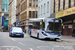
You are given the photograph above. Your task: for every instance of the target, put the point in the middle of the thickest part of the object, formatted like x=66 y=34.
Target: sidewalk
x=69 y=39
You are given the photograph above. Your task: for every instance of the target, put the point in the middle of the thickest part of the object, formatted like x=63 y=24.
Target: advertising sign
x=65 y=12
x=3 y=20
x=59 y=14
x=34 y=31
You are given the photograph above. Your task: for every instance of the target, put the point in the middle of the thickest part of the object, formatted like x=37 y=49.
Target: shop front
x=24 y=25
x=68 y=17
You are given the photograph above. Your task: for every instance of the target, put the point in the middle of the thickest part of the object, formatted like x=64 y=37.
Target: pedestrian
x=25 y=30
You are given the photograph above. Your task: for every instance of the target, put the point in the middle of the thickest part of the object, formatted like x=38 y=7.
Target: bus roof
x=36 y=19
x=41 y=19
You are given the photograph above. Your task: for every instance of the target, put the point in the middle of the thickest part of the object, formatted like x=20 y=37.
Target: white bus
x=45 y=28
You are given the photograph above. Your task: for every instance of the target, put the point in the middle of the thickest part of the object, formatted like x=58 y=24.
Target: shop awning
x=24 y=25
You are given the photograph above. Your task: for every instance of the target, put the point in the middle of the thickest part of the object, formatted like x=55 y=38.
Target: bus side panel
x=35 y=31
x=51 y=36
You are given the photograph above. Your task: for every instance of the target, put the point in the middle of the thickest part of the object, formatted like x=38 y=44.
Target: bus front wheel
x=56 y=39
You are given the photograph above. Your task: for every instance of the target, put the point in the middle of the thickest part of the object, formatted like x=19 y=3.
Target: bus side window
x=43 y=25
x=38 y=25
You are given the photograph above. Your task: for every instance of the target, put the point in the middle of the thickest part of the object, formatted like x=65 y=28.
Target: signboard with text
x=65 y=12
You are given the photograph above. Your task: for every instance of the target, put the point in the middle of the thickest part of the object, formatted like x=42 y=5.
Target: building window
x=69 y=4
x=33 y=3
x=63 y=4
x=33 y=14
x=59 y=6
x=30 y=3
x=5 y=1
x=29 y=14
x=36 y=3
x=47 y=7
x=54 y=6
x=41 y=9
x=36 y=14
x=5 y=7
x=44 y=8
x=74 y=2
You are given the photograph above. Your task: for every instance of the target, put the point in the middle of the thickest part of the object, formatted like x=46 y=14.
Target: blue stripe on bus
x=54 y=33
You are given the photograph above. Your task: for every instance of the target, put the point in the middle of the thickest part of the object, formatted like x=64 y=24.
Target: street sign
x=16 y=19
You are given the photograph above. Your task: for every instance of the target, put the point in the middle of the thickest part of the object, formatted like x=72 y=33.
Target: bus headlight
x=44 y=33
x=59 y=35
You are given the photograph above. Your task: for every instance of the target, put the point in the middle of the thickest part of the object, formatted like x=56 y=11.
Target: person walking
x=25 y=30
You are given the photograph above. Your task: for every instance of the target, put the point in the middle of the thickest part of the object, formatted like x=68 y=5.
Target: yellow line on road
x=63 y=43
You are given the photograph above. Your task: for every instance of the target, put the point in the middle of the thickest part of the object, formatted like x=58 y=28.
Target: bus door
x=34 y=30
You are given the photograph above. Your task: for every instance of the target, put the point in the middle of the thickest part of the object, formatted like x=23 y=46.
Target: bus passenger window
x=43 y=25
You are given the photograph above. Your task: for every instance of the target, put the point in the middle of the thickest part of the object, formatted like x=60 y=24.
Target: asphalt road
x=30 y=43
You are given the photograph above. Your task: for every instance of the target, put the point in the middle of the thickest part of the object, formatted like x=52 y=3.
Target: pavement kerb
x=67 y=41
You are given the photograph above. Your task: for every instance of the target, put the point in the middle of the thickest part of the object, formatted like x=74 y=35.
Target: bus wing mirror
x=42 y=28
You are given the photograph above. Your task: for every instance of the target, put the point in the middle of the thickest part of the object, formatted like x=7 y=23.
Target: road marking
x=4 y=35
x=64 y=47
x=31 y=49
x=40 y=41
x=8 y=37
x=41 y=46
x=13 y=39
x=62 y=43
x=21 y=43
x=7 y=49
x=12 y=47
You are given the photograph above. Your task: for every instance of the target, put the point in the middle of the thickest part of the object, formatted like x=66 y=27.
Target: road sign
x=16 y=19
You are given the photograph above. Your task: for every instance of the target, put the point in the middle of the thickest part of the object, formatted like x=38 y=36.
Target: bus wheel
x=56 y=39
x=30 y=34
x=38 y=35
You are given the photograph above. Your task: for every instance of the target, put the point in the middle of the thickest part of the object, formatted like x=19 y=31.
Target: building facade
x=59 y=5
x=65 y=9
x=0 y=5
x=5 y=10
x=29 y=10
x=44 y=8
x=18 y=10
x=12 y=11
x=4 y=15
x=13 y=16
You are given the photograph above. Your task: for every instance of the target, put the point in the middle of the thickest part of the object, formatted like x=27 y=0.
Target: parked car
x=16 y=31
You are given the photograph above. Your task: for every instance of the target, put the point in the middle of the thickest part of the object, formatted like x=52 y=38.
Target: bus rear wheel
x=30 y=34
x=38 y=35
